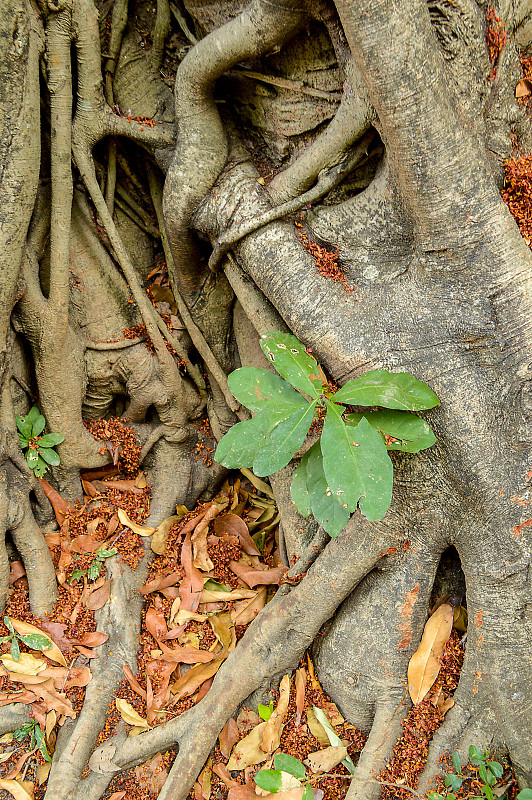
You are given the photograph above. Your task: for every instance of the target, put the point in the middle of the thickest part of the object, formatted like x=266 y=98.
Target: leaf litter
x=214 y=570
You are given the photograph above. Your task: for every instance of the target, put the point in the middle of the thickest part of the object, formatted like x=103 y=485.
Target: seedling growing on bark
x=40 y=451
x=349 y=466
x=95 y=567
x=34 y=731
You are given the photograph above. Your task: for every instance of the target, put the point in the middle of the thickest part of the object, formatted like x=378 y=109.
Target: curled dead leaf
x=424 y=665
x=99 y=597
x=274 y=726
x=248 y=752
x=26 y=664
x=52 y=652
x=129 y=715
x=16 y=789
x=327 y=759
x=160 y=537
x=134 y=526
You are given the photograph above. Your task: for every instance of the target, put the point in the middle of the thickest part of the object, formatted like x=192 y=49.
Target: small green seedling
x=32 y=640
x=490 y=772
x=40 y=453
x=349 y=466
x=36 y=734
x=265 y=712
x=94 y=569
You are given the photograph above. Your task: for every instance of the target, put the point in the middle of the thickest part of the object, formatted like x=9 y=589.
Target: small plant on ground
x=490 y=772
x=36 y=734
x=94 y=569
x=40 y=453
x=349 y=466
x=34 y=641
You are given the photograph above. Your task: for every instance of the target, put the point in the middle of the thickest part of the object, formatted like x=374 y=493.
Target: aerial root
x=38 y=564
x=120 y=620
x=273 y=644
x=385 y=732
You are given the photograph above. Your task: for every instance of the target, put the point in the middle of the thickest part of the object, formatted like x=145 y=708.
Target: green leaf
x=41 y=468
x=50 y=456
x=51 y=440
x=258 y=388
x=356 y=464
x=269 y=779
x=457 y=764
x=241 y=443
x=9 y=626
x=24 y=426
x=24 y=730
x=77 y=574
x=35 y=641
x=265 y=712
x=95 y=567
x=495 y=768
x=15 y=649
x=333 y=737
x=283 y=441
x=299 y=491
x=38 y=426
x=41 y=743
x=32 y=415
x=414 y=433
x=488 y=792
x=326 y=508
x=454 y=782
x=435 y=796
x=483 y=772
x=379 y=387
x=524 y=794
x=32 y=457
x=216 y=586
x=289 y=764
x=308 y=794
x=103 y=553
x=475 y=755
x=290 y=359
x=23 y=441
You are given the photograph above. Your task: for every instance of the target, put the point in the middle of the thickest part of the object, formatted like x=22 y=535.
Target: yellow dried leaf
x=129 y=715
x=183 y=616
x=316 y=728
x=160 y=537
x=43 y=770
x=136 y=729
x=26 y=665
x=223 y=627
x=424 y=665
x=5 y=756
x=6 y=738
x=325 y=760
x=51 y=719
x=274 y=726
x=213 y=596
x=52 y=652
x=16 y=789
x=142 y=531
x=247 y=752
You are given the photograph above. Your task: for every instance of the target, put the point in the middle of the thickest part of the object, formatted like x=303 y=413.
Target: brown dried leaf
x=245 y=611
x=232 y=525
x=424 y=665
x=161 y=581
x=99 y=597
x=247 y=719
x=223 y=773
x=84 y=544
x=223 y=628
x=274 y=726
x=300 y=684
x=229 y=736
x=248 y=752
x=213 y=596
x=60 y=506
x=43 y=770
x=93 y=639
x=327 y=759
x=199 y=537
x=135 y=527
x=191 y=586
x=257 y=577
x=156 y=622
x=192 y=680
x=133 y=682
x=122 y=485
x=16 y=789
x=523 y=88
x=316 y=728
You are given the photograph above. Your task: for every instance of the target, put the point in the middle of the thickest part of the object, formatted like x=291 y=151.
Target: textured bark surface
x=390 y=118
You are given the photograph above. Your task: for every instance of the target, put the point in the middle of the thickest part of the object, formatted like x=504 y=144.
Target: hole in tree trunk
x=450 y=578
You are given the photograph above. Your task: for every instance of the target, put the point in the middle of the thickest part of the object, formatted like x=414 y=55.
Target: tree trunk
x=393 y=121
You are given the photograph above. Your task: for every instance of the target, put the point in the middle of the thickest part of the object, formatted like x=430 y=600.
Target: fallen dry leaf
x=327 y=759
x=213 y=595
x=192 y=680
x=300 y=684
x=191 y=586
x=26 y=665
x=223 y=628
x=161 y=581
x=160 y=537
x=199 y=537
x=274 y=726
x=43 y=770
x=16 y=789
x=156 y=622
x=245 y=611
x=424 y=665
x=129 y=715
x=99 y=597
x=248 y=752
x=140 y=529
x=228 y=737
x=523 y=88
x=60 y=506
x=232 y=525
x=257 y=577
x=52 y=652
x=133 y=682
x=316 y=728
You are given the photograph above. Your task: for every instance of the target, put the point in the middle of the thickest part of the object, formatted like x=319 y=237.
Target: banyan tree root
x=272 y=645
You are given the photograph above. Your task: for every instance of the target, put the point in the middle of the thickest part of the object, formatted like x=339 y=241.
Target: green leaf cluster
x=36 y=734
x=94 y=569
x=32 y=640
x=490 y=772
x=285 y=768
x=349 y=466
x=40 y=453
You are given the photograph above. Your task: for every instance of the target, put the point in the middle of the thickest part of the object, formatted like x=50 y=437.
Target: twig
x=68 y=673
x=285 y=83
